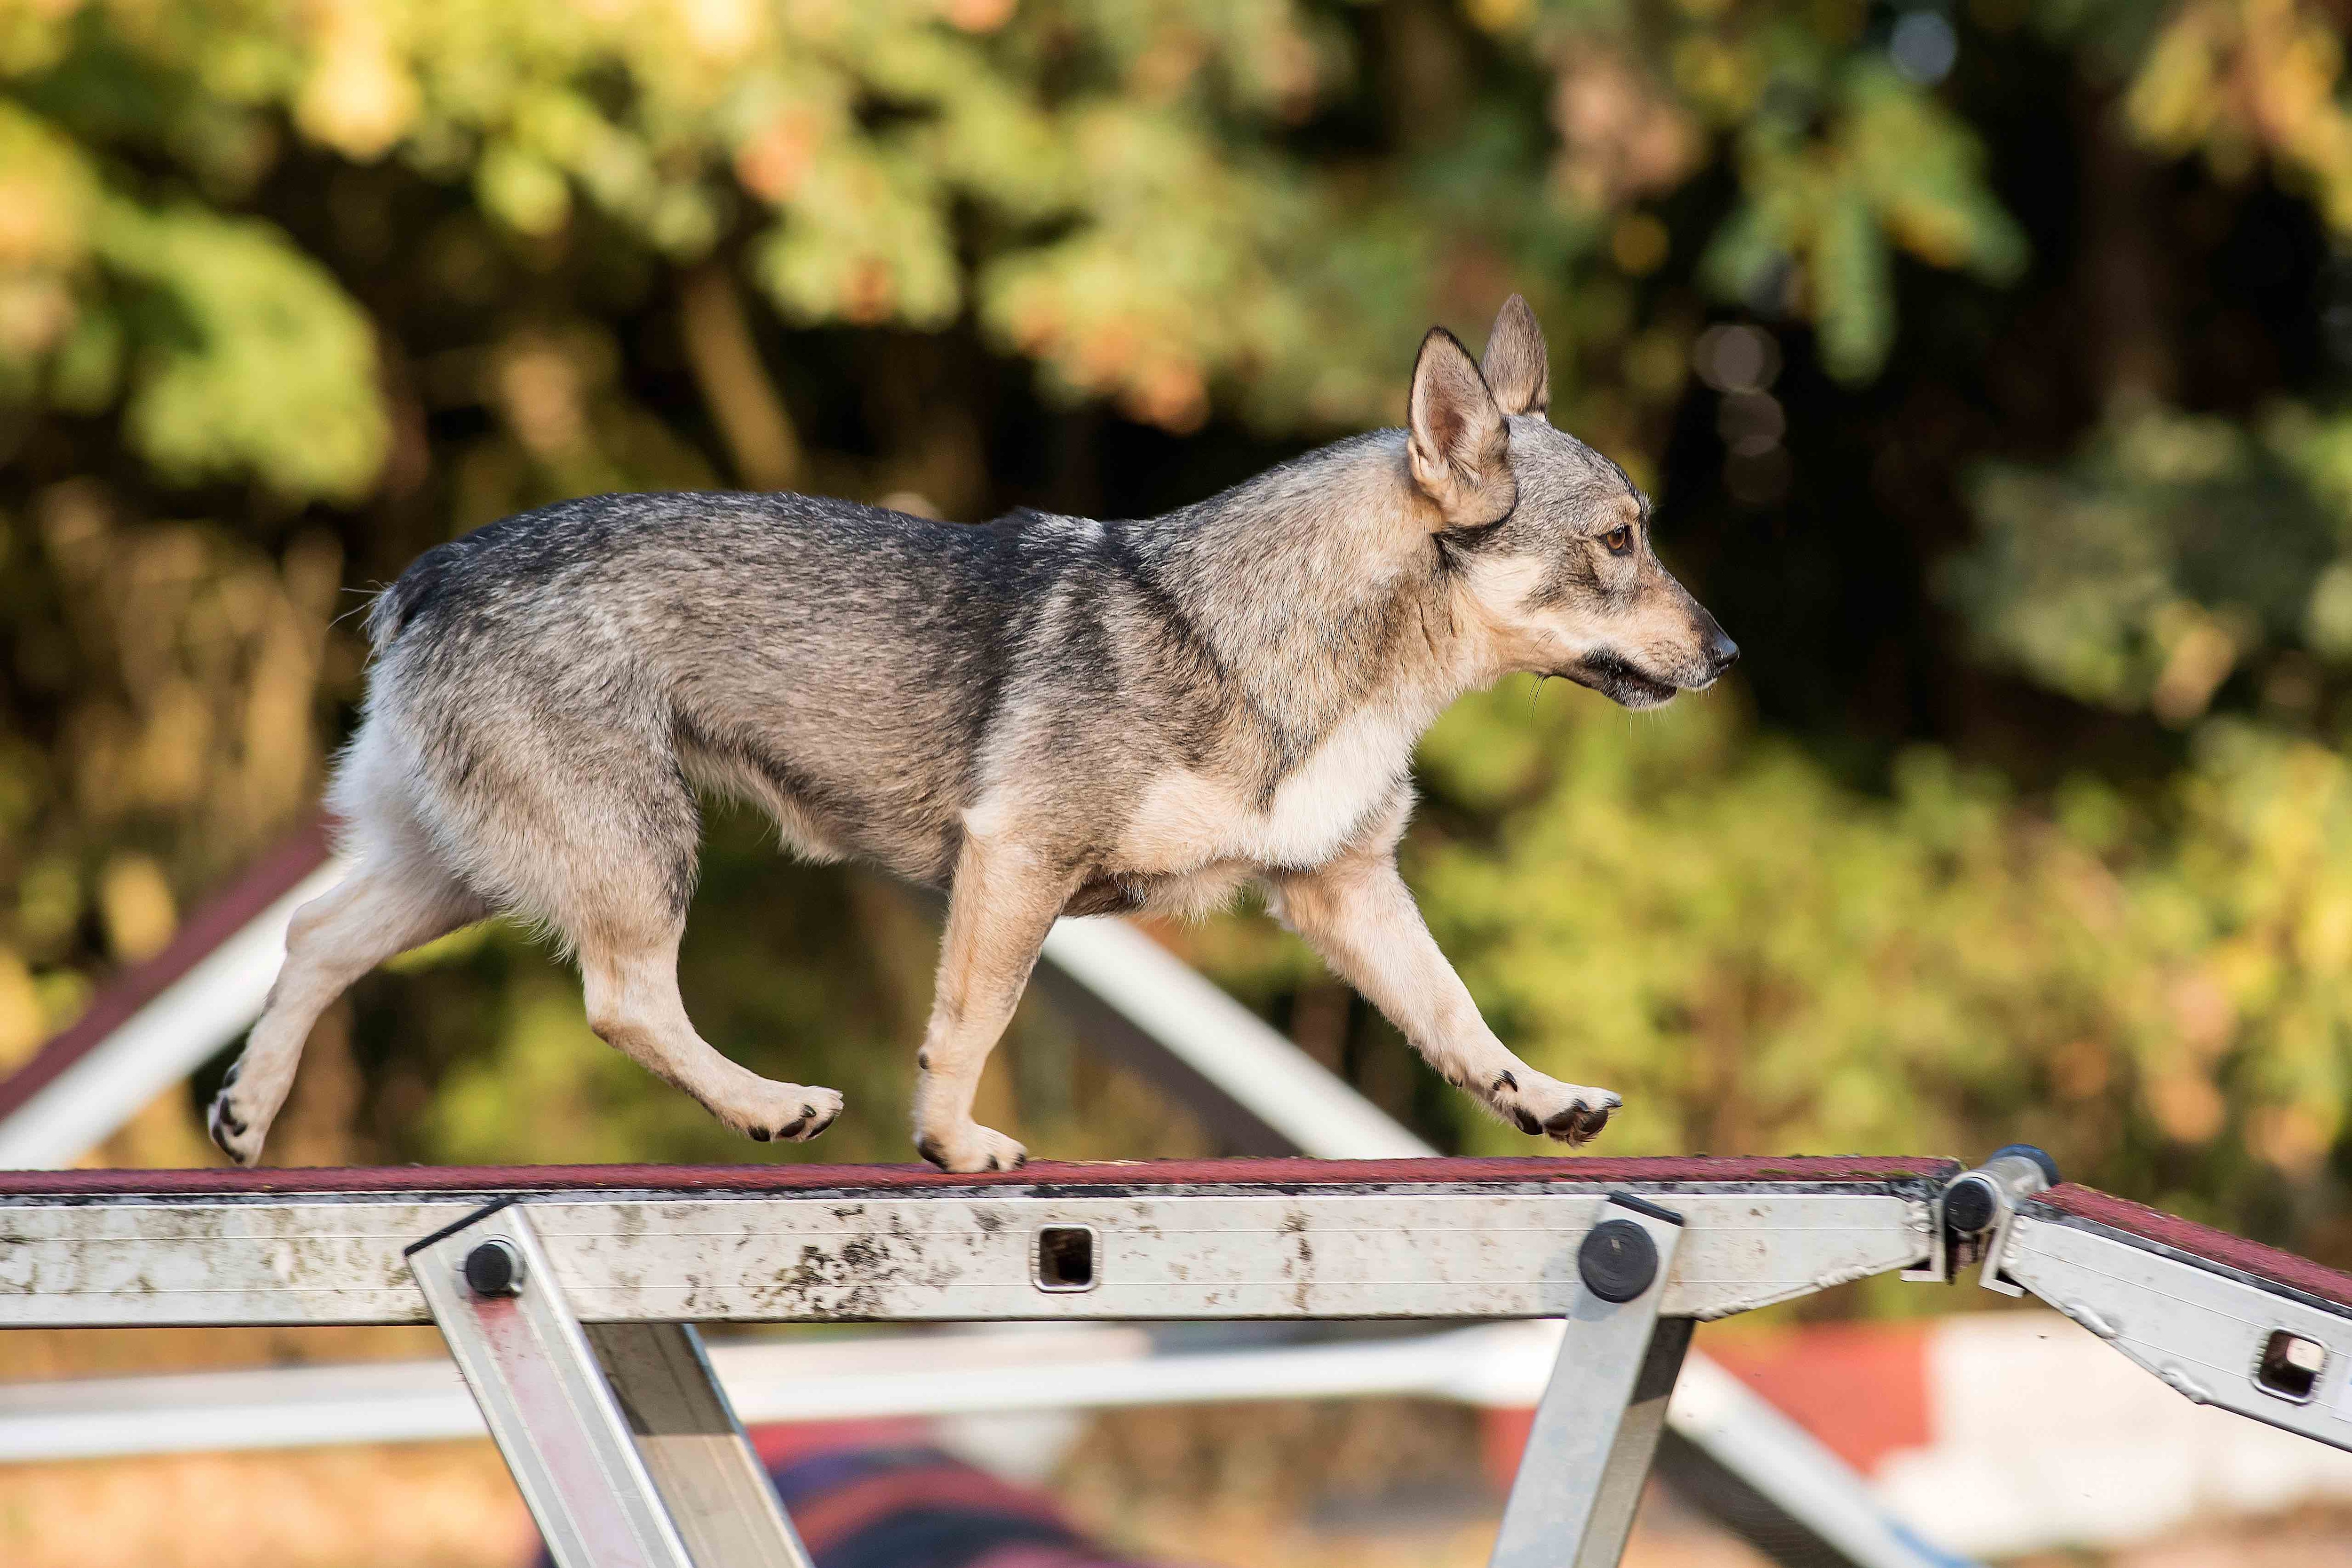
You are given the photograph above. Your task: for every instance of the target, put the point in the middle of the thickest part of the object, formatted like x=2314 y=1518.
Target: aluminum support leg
x=1597 y=1429
x=619 y=1438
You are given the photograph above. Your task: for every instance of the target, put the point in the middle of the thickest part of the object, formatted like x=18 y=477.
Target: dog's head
x=1550 y=539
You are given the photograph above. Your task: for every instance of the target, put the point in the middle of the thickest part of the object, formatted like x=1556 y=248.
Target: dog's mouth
x=1620 y=681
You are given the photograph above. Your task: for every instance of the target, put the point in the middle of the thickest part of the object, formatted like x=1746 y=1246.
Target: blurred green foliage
x=2017 y=453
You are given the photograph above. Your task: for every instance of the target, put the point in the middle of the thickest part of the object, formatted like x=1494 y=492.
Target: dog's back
x=583 y=663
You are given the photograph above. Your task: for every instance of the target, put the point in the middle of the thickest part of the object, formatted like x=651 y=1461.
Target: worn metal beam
x=1210 y=1239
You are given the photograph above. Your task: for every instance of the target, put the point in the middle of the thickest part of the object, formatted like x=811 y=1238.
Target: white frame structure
x=568 y=1297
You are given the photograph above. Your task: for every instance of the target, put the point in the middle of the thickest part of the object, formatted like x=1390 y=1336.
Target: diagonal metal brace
x=620 y=1438
x=1596 y=1431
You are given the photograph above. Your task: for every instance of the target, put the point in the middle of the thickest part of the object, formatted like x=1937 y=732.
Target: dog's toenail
x=808 y=1112
x=1505 y=1081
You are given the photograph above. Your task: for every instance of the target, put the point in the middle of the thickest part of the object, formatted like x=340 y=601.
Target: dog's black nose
x=1721 y=651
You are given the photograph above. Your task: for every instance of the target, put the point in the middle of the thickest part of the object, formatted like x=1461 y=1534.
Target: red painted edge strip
x=214 y=922
x=2197 y=1241
x=786 y=1179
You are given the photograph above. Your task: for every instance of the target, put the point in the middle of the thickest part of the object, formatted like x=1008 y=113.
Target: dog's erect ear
x=1456 y=441
x=1517 y=369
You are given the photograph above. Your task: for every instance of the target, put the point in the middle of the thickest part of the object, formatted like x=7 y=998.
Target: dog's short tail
x=398 y=605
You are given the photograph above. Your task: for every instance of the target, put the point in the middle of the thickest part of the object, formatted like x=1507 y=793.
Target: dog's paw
x=1544 y=1107
x=787 y=1114
x=231 y=1125
x=971 y=1149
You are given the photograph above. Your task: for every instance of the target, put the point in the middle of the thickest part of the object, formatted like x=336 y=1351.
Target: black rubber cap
x=1969 y=1205
x=494 y=1269
x=2049 y=1167
x=1618 y=1261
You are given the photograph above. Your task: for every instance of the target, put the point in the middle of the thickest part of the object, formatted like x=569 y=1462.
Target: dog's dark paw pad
x=1578 y=1124
x=760 y=1134
x=227 y=1130
x=929 y=1149
x=1020 y=1159
x=791 y=1129
x=1526 y=1121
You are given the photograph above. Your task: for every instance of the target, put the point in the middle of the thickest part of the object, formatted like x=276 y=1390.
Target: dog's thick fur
x=1043 y=716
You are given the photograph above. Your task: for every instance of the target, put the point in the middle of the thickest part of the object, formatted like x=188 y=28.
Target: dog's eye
x=1619 y=539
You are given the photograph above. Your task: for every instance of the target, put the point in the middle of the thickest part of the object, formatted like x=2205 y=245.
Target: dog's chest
x=1187 y=818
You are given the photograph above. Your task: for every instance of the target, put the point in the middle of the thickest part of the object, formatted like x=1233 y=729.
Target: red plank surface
x=2194 y=1240
x=783 y=1180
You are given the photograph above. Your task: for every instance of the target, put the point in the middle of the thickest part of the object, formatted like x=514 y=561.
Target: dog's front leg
x=1359 y=914
x=1004 y=899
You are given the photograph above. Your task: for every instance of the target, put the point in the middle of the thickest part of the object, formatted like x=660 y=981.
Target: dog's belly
x=1184 y=896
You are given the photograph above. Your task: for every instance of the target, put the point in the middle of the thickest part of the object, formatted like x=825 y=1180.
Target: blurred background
x=1988 y=360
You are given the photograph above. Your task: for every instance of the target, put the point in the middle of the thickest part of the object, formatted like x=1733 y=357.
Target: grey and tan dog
x=1043 y=716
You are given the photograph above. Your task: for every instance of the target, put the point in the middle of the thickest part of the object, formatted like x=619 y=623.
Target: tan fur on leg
x=385 y=906
x=631 y=990
x=1004 y=901
x=1359 y=914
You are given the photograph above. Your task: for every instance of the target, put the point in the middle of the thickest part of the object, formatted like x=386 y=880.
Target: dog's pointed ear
x=1456 y=442
x=1518 y=369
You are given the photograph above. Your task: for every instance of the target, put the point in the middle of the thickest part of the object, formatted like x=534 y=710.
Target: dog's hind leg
x=397 y=898
x=572 y=811
x=1359 y=914
x=630 y=983
x=1004 y=901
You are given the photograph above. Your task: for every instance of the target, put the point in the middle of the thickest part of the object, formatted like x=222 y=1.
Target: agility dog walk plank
x=1221 y=1238
x=568 y=1293
x=2221 y=1320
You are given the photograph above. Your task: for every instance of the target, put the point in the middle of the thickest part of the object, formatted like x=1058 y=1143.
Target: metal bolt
x=1976 y=1200
x=1969 y=1205
x=494 y=1269
x=1618 y=1261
